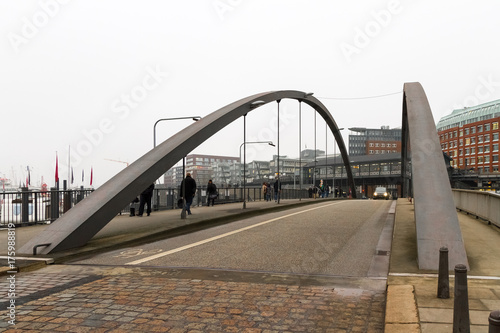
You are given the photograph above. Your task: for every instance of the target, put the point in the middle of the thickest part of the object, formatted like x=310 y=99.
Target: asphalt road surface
x=338 y=238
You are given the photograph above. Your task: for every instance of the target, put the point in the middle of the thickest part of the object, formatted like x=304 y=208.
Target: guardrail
x=485 y=205
x=28 y=207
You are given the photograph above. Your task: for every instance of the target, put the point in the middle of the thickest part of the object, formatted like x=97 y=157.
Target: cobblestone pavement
x=139 y=303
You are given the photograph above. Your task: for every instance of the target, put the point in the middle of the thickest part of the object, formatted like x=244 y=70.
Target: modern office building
x=470 y=137
x=201 y=169
x=374 y=141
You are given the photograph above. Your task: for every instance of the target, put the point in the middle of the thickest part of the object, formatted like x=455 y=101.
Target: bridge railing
x=485 y=205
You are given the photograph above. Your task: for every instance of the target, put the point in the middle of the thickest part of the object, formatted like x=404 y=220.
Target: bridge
x=423 y=171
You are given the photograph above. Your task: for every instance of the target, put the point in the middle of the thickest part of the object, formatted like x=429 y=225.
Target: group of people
x=187 y=193
x=322 y=191
x=267 y=190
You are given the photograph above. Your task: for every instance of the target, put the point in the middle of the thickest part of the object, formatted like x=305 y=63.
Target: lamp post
x=244 y=166
x=334 y=157
x=315 y=152
x=300 y=144
x=194 y=118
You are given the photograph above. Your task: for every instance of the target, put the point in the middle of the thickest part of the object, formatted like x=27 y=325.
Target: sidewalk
x=412 y=303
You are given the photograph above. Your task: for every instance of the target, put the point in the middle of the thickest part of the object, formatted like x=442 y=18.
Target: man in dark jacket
x=188 y=186
x=211 y=193
x=146 y=196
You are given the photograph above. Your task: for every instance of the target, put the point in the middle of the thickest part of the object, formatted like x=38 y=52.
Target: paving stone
x=178 y=305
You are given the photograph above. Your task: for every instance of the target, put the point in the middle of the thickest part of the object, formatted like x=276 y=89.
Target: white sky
x=68 y=66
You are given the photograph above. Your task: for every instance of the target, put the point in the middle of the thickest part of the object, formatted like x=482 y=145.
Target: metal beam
x=435 y=214
x=77 y=226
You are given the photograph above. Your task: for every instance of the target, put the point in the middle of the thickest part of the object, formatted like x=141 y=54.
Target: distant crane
x=117 y=161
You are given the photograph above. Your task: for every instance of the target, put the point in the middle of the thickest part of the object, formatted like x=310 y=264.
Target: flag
x=57 y=170
x=72 y=178
x=83 y=178
x=28 y=177
x=91 y=175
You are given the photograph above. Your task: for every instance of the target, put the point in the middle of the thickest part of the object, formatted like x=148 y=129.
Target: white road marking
x=475 y=277
x=185 y=247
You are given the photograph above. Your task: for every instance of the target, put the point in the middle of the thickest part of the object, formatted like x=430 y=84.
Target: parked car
x=381 y=193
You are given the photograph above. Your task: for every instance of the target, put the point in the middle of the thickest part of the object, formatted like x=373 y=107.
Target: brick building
x=470 y=137
x=374 y=141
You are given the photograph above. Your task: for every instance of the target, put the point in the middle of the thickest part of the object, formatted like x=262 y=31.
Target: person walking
x=188 y=186
x=146 y=196
x=277 y=189
x=268 y=192
x=211 y=193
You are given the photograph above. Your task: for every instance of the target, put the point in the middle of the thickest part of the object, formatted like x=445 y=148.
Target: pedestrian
x=264 y=190
x=277 y=189
x=146 y=196
x=268 y=192
x=211 y=193
x=310 y=191
x=188 y=186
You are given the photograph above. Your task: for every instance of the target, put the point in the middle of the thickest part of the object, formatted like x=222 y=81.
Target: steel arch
x=436 y=217
x=77 y=226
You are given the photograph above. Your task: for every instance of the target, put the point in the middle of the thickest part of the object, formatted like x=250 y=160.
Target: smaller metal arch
x=82 y=222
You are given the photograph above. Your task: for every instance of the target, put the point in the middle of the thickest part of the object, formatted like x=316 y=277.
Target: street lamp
x=244 y=167
x=194 y=118
x=300 y=144
x=334 y=157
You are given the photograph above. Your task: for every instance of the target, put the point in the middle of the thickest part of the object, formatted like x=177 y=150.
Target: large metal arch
x=77 y=226
x=435 y=213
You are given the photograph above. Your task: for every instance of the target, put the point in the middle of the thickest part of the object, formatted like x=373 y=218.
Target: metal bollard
x=444 y=276
x=494 y=320
x=461 y=321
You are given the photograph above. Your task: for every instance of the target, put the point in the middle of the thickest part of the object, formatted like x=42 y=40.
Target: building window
x=371 y=144
x=461 y=132
x=495 y=136
x=467 y=141
x=394 y=145
x=480 y=139
x=495 y=158
x=472 y=160
x=495 y=126
x=466 y=151
x=473 y=130
x=473 y=140
x=473 y=150
x=467 y=131
x=480 y=159
x=486 y=158
x=495 y=147
x=486 y=127
x=486 y=138
x=480 y=149
x=461 y=142
x=479 y=128
x=371 y=151
x=487 y=148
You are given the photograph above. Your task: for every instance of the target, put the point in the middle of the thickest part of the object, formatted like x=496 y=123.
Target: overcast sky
x=96 y=75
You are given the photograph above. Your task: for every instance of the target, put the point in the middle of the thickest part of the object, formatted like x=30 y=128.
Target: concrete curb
x=401 y=313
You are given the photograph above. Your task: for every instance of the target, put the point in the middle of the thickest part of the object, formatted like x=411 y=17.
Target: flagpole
x=69 y=164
